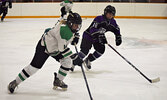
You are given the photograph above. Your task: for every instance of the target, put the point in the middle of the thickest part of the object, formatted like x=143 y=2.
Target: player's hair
x=63 y=22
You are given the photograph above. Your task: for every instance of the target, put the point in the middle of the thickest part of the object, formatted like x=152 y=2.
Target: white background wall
x=89 y=9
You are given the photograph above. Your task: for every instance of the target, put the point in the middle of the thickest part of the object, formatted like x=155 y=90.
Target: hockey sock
x=81 y=54
x=26 y=73
x=62 y=73
x=94 y=56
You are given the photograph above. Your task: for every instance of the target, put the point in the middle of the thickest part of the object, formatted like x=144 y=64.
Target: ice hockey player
x=4 y=4
x=95 y=36
x=66 y=8
x=53 y=43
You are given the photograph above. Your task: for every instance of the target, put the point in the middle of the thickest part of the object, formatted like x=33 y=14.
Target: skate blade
x=9 y=92
x=56 y=88
x=64 y=89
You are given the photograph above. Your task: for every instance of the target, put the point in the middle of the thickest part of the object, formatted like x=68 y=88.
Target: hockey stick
x=150 y=80
x=83 y=72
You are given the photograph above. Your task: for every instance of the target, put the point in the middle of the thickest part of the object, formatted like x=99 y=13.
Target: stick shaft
x=130 y=64
x=83 y=72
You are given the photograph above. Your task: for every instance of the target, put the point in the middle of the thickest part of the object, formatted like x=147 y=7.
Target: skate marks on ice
x=138 y=43
x=143 y=43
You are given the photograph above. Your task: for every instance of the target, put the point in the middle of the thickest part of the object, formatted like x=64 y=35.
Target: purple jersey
x=101 y=25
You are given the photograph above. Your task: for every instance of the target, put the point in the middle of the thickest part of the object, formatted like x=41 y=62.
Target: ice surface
x=111 y=78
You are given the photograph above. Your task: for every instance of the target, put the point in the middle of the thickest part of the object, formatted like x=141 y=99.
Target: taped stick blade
x=155 y=80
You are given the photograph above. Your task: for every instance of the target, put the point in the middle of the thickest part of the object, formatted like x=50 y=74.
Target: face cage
x=75 y=30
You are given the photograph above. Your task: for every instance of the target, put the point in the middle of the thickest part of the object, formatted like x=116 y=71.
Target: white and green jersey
x=67 y=4
x=57 y=39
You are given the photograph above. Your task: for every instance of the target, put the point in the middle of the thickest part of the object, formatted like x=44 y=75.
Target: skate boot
x=58 y=83
x=87 y=64
x=72 y=68
x=1 y=19
x=12 y=85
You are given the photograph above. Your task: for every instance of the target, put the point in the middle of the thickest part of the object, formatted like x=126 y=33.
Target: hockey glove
x=102 y=39
x=76 y=59
x=118 y=40
x=79 y=61
x=58 y=57
x=76 y=39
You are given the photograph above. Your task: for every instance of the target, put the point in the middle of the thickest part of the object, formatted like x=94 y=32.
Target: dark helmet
x=110 y=9
x=74 y=18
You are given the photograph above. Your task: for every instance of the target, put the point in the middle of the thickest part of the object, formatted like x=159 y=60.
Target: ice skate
x=12 y=85
x=87 y=64
x=72 y=68
x=2 y=19
x=58 y=83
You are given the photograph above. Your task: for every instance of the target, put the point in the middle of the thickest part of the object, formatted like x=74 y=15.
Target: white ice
x=111 y=78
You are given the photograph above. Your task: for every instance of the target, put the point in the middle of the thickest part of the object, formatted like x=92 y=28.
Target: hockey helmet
x=110 y=9
x=74 y=18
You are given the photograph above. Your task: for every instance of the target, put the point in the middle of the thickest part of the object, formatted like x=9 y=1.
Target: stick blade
x=155 y=80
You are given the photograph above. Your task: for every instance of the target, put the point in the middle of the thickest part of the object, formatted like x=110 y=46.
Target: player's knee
x=83 y=52
x=100 y=51
x=36 y=65
x=94 y=56
x=66 y=62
